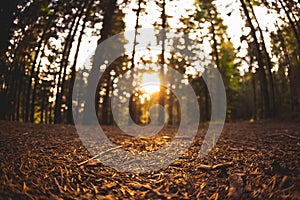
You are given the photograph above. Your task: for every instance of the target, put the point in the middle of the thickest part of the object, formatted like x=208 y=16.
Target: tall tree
x=222 y=50
x=137 y=26
x=162 y=38
x=73 y=67
x=6 y=20
x=109 y=8
x=35 y=70
x=259 y=57
x=65 y=59
x=267 y=60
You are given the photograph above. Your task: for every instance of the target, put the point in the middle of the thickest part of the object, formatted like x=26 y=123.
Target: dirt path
x=251 y=161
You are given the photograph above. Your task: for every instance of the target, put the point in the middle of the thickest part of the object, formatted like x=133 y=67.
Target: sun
x=150 y=83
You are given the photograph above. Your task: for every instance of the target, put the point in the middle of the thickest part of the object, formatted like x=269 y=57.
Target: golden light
x=150 y=83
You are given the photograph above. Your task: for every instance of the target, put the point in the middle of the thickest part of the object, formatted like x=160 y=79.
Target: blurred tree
x=260 y=60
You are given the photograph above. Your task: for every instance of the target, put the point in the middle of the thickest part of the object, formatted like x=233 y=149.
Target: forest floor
x=259 y=160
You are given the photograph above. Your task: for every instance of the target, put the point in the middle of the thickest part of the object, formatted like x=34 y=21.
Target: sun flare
x=150 y=83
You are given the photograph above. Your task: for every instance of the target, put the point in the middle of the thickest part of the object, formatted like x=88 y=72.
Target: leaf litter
x=258 y=160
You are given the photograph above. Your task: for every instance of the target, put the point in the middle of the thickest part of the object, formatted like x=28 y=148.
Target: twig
x=58 y=186
x=100 y=154
x=287 y=135
x=292 y=137
x=218 y=166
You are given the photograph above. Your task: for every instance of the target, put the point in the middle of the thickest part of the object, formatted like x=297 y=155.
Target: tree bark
x=291 y=76
x=161 y=113
x=268 y=62
x=65 y=61
x=133 y=53
x=34 y=72
x=89 y=109
x=259 y=57
x=73 y=68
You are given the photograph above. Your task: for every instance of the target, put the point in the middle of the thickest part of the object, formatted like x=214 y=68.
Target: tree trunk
x=14 y=93
x=24 y=92
x=106 y=106
x=64 y=64
x=33 y=99
x=20 y=91
x=216 y=58
x=18 y=101
x=136 y=32
x=33 y=70
x=133 y=50
x=161 y=113
x=73 y=68
x=268 y=62
x=89 y=108
x=43 y=103
x=254 y=114
x=291 y=76
x=206 y=95
x=259 y=57
x=215 y=45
